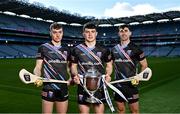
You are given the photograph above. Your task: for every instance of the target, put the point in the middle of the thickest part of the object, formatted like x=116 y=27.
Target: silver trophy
x=91 y=84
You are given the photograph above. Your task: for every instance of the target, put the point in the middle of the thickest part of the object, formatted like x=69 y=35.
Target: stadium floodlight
x=134 y=23
x=63 y=23
x=147 y=22
x=50 y=21
x=145 y=75
x=163 y=20
x=9 y=13
x=25 y=16
x=75 y=24
x=176 y=19
x=119 y=24
x=40 y=19
x=28 y=78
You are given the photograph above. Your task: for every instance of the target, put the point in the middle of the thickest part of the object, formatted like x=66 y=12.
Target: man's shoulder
x=112 y=48
x=133 y=44
x=65 y=48
x=44 y=44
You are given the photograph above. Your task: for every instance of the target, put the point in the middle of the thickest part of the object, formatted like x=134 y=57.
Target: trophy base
x=91 y=100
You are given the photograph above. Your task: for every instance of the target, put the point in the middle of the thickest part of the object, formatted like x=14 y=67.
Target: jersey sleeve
x=73 y=56
x=68 y=54
x=107 y=55
x=140 y=54
x=112 y=54
x=39 y=54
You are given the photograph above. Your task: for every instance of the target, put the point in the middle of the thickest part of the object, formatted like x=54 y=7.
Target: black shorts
x=83 y=95
x=129 y=91
x=54 y=95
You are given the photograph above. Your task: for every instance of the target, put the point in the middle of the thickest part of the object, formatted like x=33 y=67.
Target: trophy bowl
x=92 y=83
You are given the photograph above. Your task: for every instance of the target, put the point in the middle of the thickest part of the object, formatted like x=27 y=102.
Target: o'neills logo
x=56 y=61
x=89 y=63
x=122 y=60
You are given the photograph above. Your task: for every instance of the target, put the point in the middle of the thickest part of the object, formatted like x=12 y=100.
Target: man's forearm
x=37 y=71
x=74 y=71
x=109 y=68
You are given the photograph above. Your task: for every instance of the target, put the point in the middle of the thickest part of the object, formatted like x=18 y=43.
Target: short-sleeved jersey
x=87 y=58
x=126 y=60
x=55 y=61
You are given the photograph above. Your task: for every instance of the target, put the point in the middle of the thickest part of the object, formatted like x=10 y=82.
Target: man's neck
x=56 y=43
x=123 y=43
x=90 y=44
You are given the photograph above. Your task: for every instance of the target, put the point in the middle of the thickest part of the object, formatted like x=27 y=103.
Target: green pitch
x=159 y=95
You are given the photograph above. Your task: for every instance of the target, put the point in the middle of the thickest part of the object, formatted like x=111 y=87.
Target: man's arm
x=143 y=64
x=74 y=73
x=71 y=82
x=38 y=67
x=37 y=72
x=109 y=69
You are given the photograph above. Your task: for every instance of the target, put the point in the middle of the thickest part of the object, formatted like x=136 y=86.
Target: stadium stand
x=20 y=36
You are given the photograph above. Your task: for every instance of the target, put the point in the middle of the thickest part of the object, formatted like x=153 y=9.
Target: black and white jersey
x=126 y=60
x=55 y=61
x=86 y=58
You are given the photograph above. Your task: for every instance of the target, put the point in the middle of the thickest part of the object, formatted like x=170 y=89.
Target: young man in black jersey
x=53 y=58
x=86 y=57
x=125 y=58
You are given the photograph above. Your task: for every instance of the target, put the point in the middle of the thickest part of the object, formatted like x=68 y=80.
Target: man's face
x=89 y=34
x=56 y=35
x=124 y=34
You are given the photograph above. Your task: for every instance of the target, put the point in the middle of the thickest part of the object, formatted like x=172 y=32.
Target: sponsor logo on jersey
x=56 y=61
x=122 y=60
x=89 y=63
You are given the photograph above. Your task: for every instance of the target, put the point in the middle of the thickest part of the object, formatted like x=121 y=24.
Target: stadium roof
x=22 y=7
x=140 y=18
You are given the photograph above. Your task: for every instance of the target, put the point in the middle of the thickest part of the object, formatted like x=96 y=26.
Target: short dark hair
x=55 y=25
x=124 y=26
x=89 y=26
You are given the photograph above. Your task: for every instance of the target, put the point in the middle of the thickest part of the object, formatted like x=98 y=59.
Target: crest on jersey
x=129 y=52
x=99 y=54
x=65 y=53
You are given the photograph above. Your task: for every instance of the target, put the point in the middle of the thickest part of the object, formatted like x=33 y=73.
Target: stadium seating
x=153 y=37
x=17 y=51
x=175 y=52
